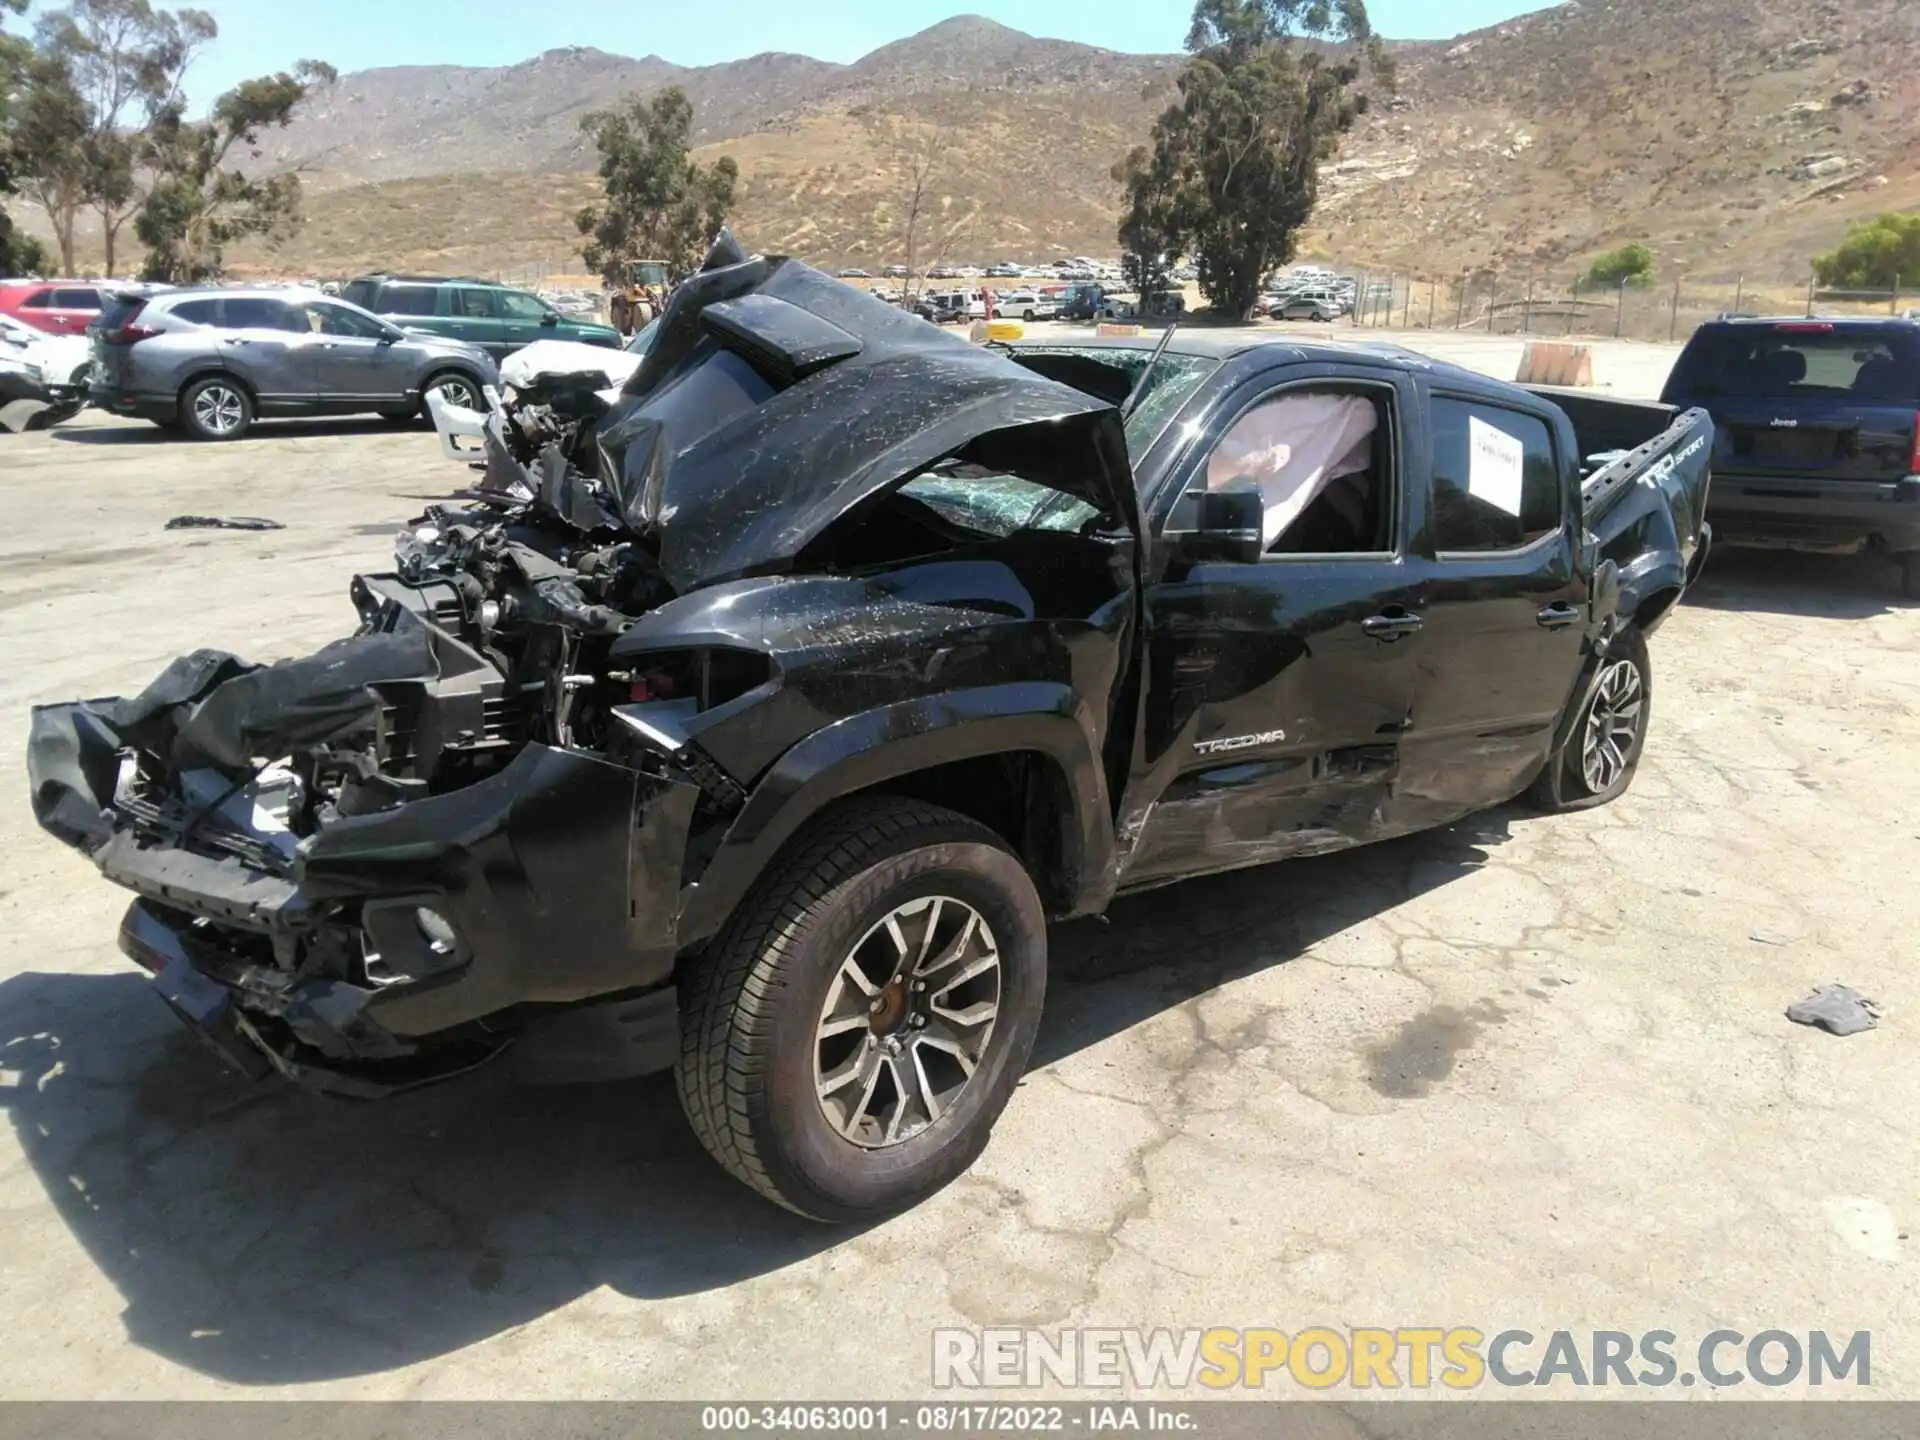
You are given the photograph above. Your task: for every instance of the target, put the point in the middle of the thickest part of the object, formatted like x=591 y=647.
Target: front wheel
x=1910 y=574
x=1603 y=752
x=454 y=388
x=849 y=1040
x=216 y=409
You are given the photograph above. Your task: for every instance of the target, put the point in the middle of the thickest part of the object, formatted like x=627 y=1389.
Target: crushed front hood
x=567 y=357
x=775 y=400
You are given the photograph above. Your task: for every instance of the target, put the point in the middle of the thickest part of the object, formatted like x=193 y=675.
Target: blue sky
x=258 y=36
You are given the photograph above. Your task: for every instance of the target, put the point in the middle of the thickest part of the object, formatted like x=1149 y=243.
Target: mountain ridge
x=1735 y=137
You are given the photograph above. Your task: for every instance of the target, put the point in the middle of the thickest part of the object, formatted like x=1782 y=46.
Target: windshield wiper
x=1139 y=391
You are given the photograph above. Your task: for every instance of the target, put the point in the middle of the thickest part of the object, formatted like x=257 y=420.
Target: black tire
x=1910 y=574
x=751 y=1005
x=216 y=407
x=399 y=417
x=1567 y=783
x=452 y=380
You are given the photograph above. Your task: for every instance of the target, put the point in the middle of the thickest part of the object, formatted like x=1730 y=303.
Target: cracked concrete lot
x=1521 y=1072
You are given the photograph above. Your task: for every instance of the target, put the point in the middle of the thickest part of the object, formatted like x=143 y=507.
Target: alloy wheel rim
x=907 y=1021
x=218 y=409
x=458 y=393
x=1613 y=723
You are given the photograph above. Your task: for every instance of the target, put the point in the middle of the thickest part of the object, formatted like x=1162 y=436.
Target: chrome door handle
x=1558 y=616
x=1393 y=625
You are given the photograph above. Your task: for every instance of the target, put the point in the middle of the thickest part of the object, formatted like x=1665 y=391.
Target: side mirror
x=1228 y=525
x=549 y=318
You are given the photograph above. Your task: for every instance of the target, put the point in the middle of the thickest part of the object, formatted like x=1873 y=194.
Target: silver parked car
x=1323 y=308
x=212 y=361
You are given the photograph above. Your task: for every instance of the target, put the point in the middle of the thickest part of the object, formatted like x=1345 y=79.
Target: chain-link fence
x=1497 y=304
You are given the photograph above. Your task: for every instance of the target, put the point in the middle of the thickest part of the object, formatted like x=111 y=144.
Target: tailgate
x=109 y=362
x=1816 y=441
x=111 y=341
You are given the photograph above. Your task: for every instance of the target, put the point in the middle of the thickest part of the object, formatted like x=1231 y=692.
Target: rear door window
x=406 y=300
x=1810 y=361
x=473 y=304
x=72 y=299
x=1496 y=479
x=250 y=313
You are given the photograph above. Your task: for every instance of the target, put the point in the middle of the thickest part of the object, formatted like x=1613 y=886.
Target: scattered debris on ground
x=222 y=522
x=1837 y=1009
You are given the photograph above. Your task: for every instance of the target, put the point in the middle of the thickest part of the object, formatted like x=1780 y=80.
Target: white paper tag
x=1496 y=463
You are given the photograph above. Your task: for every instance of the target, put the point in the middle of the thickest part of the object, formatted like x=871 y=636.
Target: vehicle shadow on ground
x=265 y=1237
x=1779 y=582
x=139 y=432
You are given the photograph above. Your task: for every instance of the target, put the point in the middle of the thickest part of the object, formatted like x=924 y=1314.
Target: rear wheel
x=216 y=409
x=849 y=1040
x=1604 y=750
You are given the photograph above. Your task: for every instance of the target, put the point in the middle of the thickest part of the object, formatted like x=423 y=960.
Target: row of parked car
x=210 y=361
x=1818 y=419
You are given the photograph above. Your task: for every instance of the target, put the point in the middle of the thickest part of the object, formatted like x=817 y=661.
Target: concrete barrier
x=1552 y=362
x=1110 y=329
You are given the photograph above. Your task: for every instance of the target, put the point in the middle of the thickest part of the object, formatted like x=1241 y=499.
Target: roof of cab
x=1231 y=345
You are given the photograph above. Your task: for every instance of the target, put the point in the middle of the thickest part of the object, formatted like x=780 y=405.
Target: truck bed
x=1620 y=441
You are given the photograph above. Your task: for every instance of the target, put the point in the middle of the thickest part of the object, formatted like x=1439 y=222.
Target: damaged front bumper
x=462 y=432
x=398 y=947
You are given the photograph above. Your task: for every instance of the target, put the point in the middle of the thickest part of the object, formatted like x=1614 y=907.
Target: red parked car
x=60 y=307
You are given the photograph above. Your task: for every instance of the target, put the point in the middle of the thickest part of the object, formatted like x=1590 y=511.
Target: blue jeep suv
x=1819 y=426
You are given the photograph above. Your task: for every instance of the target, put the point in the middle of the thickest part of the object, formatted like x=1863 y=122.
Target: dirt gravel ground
x=1521 y=1072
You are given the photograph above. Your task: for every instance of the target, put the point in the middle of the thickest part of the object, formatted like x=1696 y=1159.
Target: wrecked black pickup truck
x=760 y=718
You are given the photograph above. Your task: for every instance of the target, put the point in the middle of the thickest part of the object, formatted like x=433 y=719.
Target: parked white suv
x=1027 y=305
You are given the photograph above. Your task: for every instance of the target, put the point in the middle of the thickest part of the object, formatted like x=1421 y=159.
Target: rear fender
x=886 y=744
x=1647 y=513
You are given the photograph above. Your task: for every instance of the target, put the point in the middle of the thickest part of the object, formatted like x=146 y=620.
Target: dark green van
x=491 y=316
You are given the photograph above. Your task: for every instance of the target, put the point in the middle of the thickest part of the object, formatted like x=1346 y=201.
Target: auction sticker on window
x=1495 y=462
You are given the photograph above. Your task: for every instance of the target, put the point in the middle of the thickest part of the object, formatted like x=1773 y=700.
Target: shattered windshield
x=993 y=504
x=1171 y=385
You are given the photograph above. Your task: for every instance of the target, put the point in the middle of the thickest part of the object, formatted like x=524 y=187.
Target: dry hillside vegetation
x=1736 y=136
x=1733 y=136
